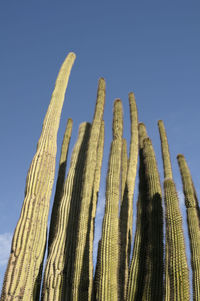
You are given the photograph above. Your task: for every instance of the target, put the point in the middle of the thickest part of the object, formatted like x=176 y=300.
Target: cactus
x=126 y=212
x=106 y=285
x=80 y=283
x=124 y=168
x=177 y=261
x=60 y=181
x=176 y=270
x=137 y=267
x=28 y=245
x=192 y=208
x=55 y=279
x=153 y=284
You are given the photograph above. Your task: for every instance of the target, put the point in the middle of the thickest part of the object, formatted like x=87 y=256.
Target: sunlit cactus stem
x=106 y=281
x=138 y=262
x=80 y=283
x=60 y=181
x=56 y=278
x=29 y=239
x=126 y=212
x=192 y=208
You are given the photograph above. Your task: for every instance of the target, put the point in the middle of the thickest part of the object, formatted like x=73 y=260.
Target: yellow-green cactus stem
x=80 y=283
x=60 y=181
x=137 y=267
x=167 y=174
x=177 y=260
x=95 y=193
x=153 y=284
x=165 y=151
x=192 y=208
x=108 y=265
x=55 y=278
x=126 y=212
x=124 y=167
x=29 y=239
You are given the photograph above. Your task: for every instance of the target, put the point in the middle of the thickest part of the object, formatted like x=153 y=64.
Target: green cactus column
x=80 y=287
x=177 y=260
x=30 y=234
x=126 y=212
x=55 y=282
x=192 y=208
x=106 y=285
x=60 y=181
x=138 y=262
x=176 y=269
x=95 y=192
x=153 y=284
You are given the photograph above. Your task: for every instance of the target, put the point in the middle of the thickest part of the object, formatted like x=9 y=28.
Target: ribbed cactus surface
x=106 y=282
x=137 y=267
x=153 y=284
x=193 y=224
x=80 y=285
x=56 y=277
x=21 y=279
x=126 y=212
x=177 y=260
x=60 y=181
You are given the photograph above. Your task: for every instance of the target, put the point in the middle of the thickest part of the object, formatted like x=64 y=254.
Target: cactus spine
x=153 y=284
x=137 y=267
x=55 y=283
x=60 y=181
x=193 y=223
x=108 y=263
x=80 y=283
x=126 y=212
x=30 y=234
x=176 y=269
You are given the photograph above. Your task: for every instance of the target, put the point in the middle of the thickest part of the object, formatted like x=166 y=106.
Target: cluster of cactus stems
x=152 y=273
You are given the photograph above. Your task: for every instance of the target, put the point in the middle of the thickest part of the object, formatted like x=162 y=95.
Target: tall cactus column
x=176 y=270
x=193 y=224
x=80 y=287
x=153 y=285
x=30 y=234
x=108 y=261
x=126 y=212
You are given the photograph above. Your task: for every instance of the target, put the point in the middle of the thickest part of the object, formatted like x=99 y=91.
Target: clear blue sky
x=149 y=47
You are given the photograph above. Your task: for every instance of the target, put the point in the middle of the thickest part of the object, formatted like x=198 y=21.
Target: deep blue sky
x=149 y=47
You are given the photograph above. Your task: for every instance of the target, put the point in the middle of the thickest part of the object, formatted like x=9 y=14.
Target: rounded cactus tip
x=180 y=156
x=160 y=122
x=102 y=83
x=69 y=120
x=147 y=141
x=117 y=100
x=131 y=94
x=72 y=54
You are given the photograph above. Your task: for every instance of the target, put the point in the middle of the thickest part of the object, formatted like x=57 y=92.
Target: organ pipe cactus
x=193 y=223
x=28 y=245
x=137 y=267
x=60 y=181
x=153 y=284
x=124 y=167
x=80 y=283
x=177 y=261
x=55 y=282
x=108 y=263
x=176 y=269
x=126 y=212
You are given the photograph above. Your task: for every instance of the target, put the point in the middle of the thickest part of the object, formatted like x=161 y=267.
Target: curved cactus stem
x=29 y=239
x=55 y=282
x=60 y=181
x=153 y=284
x=126 y=212
x=80 y=283
x=137 y=267
x=192 y=208
x=108 y=263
